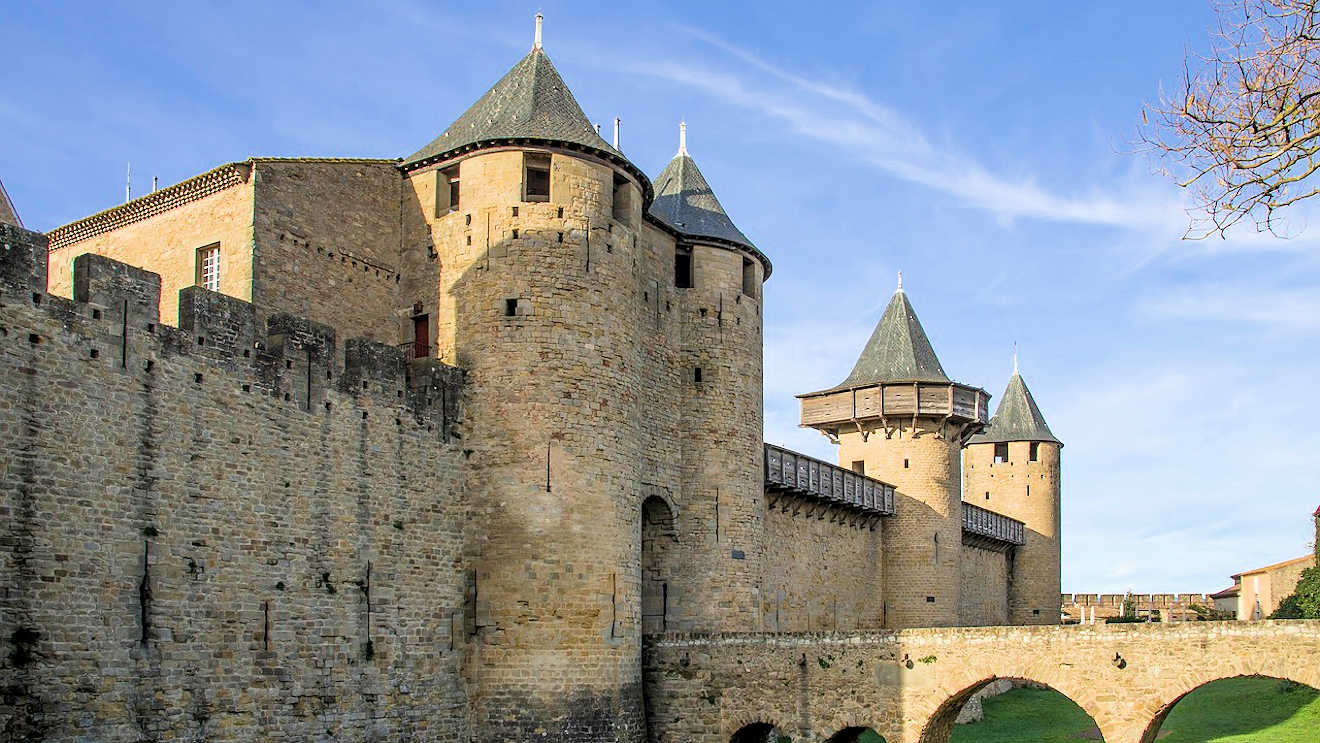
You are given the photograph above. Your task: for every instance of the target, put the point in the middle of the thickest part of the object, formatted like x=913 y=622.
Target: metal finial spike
x=536 y=44
x=1015 y=364
x=682 y=137
x=900 y=281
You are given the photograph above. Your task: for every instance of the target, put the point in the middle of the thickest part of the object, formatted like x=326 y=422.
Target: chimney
x=617 y=121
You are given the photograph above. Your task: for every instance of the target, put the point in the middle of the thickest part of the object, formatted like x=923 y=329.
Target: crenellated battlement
x=115 y=316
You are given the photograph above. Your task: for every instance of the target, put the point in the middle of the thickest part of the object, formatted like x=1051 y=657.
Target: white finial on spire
x=900 y=281
x=537 y=43
x=1015 y=364
x=682 y=137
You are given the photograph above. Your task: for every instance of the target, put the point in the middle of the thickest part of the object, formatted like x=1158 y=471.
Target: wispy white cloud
x=1237 y=305
x=890 y=141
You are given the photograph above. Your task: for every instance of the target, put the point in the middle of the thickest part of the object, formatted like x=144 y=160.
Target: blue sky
x=984 y=149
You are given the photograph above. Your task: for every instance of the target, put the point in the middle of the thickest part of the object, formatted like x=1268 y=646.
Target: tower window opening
x=749 y=277
x=1001 y=452
x=905 y=464
x=623 y=200
x=1034 y=451
x=1028 y=491
x=447 y=192
x=510 y=307
x=859 y=466
x=536 y=176
x=208 y=267
x=987 y=495
x=696 y=375
x=683 y=268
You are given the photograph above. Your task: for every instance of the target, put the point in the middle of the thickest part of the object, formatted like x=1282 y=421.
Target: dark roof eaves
x=941 y=382
x=648 y=193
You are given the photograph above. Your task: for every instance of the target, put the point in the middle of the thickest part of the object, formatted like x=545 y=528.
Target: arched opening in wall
x=1242 y=709
x=659 y=546
x=759 y=732
x=1008 y=711
x=856 y=735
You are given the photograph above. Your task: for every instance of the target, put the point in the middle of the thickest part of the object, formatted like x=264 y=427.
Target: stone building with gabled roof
x=600 y=473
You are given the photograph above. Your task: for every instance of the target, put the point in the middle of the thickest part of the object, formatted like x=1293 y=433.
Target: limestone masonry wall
x=983 y=591
x=823 y=572
x=216 y=532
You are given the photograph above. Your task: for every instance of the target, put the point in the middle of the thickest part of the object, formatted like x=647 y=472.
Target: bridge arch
x=853 y=735
x=756 y=732
x=939 y=722
x=1185 y=687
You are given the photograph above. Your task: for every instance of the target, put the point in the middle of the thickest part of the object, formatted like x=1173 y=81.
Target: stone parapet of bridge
x=909 y=685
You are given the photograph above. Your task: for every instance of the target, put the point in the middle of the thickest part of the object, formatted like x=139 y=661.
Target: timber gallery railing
x=808 y=477
x=979 y=521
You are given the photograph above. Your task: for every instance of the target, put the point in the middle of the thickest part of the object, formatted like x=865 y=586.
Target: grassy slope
x=1244 y=710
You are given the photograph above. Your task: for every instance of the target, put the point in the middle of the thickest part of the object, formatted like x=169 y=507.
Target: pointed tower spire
x=536 y=42
x=1018 y=417
x=898 y=350
x=531 y=103
x=685 y=201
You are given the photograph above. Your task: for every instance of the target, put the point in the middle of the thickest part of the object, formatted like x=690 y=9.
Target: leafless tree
x=1244 y=135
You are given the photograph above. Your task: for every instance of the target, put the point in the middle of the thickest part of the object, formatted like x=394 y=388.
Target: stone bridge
x=908 y=685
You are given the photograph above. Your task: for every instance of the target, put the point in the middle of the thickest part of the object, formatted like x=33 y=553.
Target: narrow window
x=749 y=278
x=208 y=267
x=536 y=176
x=696 y=375
x=683 y=268
x=1001 y=452
x=905 y=464
x=1028 y=491
x=510 y=307
x=446 y=191
x=1034 y=452
x=623 y=201
x=859 y=466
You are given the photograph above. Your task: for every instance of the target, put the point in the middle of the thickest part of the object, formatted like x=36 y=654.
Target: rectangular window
x=623 y=202
x=1034 y=453
x=536 y=176
x=683 y=268
x=446 y=191
x=749 y=277
x=1001 y=452
x=859 y=466
x=208 y=267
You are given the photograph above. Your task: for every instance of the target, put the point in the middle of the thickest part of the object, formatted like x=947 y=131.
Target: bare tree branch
x=1244 y=136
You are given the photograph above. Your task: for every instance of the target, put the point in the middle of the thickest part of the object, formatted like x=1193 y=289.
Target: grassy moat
x=1239 y=710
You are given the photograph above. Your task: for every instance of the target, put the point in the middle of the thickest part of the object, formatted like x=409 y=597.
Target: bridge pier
x=909 y=685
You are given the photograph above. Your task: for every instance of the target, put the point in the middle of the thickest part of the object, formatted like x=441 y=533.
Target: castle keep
x=419 y=449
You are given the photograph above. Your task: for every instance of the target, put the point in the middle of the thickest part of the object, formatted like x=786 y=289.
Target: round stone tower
x=1012 y=468
x=900 y=419
x=717 y=280
x=531 y=219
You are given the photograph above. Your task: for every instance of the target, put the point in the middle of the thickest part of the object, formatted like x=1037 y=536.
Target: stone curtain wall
x=216 y=532
x=910 y=684
x=823 y=572
x=983 y=590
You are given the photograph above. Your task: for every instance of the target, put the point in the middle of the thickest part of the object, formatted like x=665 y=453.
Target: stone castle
x=541 y=441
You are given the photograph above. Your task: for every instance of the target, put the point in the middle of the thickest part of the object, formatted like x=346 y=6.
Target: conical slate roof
x=8 y=215
x=1017 y=419
x=898 y=350
x=685 y=202
x=531 y=102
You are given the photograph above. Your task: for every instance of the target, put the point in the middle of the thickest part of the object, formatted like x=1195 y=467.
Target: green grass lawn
x=1241 y=710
